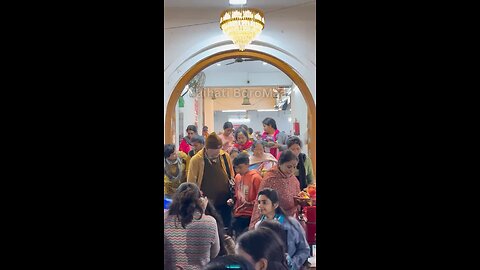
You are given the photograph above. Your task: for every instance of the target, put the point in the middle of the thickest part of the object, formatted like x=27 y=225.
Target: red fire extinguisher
x=296 y=127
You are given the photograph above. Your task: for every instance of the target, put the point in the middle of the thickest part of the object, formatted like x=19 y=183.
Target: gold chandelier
x=242 y=25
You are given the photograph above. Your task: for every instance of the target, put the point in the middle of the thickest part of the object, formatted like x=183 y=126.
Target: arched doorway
x=284 y=67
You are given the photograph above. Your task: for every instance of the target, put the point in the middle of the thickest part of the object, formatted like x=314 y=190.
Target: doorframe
x=170 y=127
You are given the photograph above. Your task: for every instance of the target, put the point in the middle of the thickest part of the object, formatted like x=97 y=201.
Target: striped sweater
x=192 y=247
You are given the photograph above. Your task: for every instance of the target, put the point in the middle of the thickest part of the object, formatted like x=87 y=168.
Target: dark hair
x=244 y=126
x=168 y=149
x=242 y=131
x=263 y=243
x=258 y=142
x=272 y=195
x=185 y=201
x=277 y=228
x=192 y=128
x=250 y=130
x=287 y=156
x=229 y=262
x=227 y=125
x=294 y=140
x=270 y=122
x=211 y=211
x=234 y=149
x=198 y=138
x=242 y=158
x=205 y=128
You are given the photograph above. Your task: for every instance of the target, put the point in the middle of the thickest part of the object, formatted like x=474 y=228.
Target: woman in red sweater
x=185 y=144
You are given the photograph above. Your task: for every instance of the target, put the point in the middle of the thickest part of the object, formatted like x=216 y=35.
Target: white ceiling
x=265 y=5
x=249 y=66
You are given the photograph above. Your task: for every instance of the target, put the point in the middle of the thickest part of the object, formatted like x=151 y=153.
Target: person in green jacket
x=304 y=172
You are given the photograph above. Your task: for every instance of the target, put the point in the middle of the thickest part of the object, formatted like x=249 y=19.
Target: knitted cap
x=213 y=141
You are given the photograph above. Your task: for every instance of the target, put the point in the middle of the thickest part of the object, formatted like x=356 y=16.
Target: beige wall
x=232 y=98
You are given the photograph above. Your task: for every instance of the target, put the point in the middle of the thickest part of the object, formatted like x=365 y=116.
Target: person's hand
x=204 y=203
x=275 y=145
x=230 y=202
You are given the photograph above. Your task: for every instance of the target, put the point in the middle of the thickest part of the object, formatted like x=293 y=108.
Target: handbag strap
x=227 y=167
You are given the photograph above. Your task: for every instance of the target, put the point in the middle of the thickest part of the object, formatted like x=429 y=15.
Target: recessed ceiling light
x=218 y=64
x=237 y=2
x=264 y=63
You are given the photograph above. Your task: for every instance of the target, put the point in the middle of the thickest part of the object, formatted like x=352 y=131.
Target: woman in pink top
x=275 y=141
x=185 y=144
x=227 y=137
x=282 y=179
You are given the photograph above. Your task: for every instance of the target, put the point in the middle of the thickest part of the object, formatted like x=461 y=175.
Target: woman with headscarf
x=186 y=145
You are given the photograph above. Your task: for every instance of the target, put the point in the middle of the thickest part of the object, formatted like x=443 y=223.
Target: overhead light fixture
x=242 y=25
x=238 y=120
x=218 y=64
x=264 y=63
x=234 y=110
x=267 y=110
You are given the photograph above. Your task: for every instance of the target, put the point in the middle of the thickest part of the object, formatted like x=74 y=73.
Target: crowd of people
x=233 y=199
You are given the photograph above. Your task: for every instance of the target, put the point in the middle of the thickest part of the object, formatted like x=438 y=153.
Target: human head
x=263 y=249
x=241 y=136
x=244 y=126
x=241 y=163
x=269 y=125
x=288 y=162
x=191 y=131
x=229 y=262
x=169 y=152
x=205 y=129
x=295 y=144
x=233 y=153
x=250 y=131
x=277 y=228
x=227 y=128
x=269 y=203
x=213 y=144
x=198 y=142
x=185 y=201
x=257 y=148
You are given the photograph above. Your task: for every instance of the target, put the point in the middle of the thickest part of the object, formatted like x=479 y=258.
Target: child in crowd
x=247 y=183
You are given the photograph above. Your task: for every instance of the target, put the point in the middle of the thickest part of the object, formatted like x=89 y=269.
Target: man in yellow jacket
x=212 y=170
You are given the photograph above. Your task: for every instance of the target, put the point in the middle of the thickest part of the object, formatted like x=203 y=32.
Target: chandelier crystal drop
x=242 y=25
